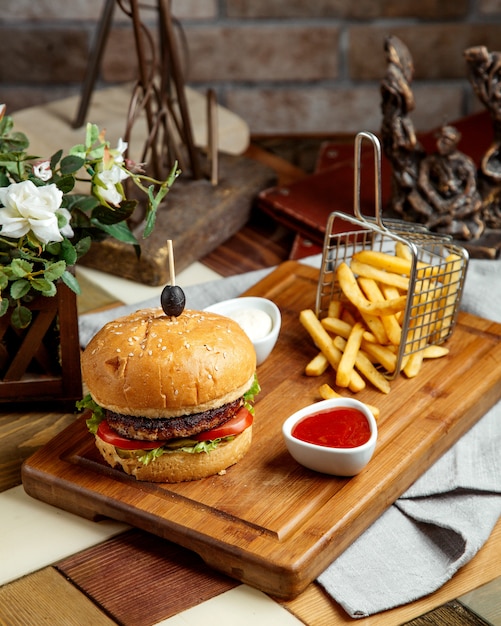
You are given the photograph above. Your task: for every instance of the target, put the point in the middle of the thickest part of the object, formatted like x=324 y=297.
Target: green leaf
x=53 y=247
x=6 y=125
x=68 y=252
x=71 y=164
x=56 y=157
x=4 y=306
x=65 y=183
x=21 y=268
x=55 y=270
x=119 y=231
x=4 y=281
x=117 y=214
x=44 y=286
x=78 y=150
x=19 y=288
x=83 y=246
x=70 y=281
x=151 y=219
x=94 y=147
x=83 y=203
x=91 y=135
x=21 y=317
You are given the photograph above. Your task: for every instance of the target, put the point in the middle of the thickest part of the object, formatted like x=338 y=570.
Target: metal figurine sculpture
x=399 y=140
x=446 y=197
x=438 y=190
x=484 y=73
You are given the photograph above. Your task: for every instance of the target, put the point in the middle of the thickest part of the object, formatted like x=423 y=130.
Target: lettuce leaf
x=97 y=412
x=147 y=456
x=250 y=395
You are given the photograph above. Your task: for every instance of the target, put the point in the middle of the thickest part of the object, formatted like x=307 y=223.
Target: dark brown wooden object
x=42 y=362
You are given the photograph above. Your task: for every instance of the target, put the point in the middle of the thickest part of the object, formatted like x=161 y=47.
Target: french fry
x=380 y=354
x=451 y=286
x=337 y=326
x=347 y=362
x=317 y=366
x=386 y=262
x=402 y=250
x=324 y=343
x=392 y=329
x=365 y=367
x=382 y=276
x=352 y=291
x=435 y=352
x=347 y=316
x=335 y=308
x=391 y=293
x=362 y=332
x=376 y=327
x=413 y=365
x=327 y=393
x=397 y=264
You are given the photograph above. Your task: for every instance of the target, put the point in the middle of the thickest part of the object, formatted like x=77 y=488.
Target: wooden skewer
x=171 y=263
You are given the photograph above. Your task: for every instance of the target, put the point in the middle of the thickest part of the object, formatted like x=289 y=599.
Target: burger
x=170 y=398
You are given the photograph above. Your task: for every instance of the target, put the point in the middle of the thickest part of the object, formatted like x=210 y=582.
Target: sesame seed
x=118 y=350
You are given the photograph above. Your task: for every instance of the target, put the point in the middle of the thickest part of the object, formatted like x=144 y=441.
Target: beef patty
x=162 y=428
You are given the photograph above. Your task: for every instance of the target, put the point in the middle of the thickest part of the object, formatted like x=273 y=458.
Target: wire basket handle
x=377 y=176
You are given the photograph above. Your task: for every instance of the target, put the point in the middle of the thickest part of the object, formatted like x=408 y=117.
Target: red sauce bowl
x=336 y=437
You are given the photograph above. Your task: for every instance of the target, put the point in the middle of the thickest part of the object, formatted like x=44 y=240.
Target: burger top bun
x=154 y=365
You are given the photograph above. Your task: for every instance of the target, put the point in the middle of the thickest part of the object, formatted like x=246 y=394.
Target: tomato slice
x=110 y=436
x=234 y=426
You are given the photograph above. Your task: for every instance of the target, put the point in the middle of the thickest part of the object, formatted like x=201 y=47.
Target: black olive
x=172 y=300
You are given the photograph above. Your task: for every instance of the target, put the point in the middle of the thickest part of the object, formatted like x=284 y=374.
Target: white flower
x=121 y=148
x=37 y=209
x=108 y=189
x=42 y=170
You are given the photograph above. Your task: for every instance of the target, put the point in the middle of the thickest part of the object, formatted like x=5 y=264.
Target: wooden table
x=75 y=585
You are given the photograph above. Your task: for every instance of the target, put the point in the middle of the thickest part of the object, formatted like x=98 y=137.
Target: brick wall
x=283 y=65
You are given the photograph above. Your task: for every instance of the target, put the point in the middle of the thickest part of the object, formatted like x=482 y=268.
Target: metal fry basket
x=437 y=265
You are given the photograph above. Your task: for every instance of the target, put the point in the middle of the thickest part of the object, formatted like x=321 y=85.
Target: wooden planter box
x=42 y=362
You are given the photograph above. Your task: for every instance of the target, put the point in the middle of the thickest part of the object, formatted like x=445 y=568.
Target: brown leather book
x=304 y=206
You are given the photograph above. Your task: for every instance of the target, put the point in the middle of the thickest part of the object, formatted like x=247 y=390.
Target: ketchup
x=340 y=427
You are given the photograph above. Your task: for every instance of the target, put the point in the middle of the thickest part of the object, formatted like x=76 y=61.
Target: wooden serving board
x=268 y=521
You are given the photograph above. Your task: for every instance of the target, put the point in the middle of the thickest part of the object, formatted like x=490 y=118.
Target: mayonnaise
x=256 y=323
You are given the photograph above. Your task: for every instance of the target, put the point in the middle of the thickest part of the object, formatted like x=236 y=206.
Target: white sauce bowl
x=259 y=317
x=329 y=460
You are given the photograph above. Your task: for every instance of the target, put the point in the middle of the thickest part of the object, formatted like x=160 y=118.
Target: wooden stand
x=42 y=362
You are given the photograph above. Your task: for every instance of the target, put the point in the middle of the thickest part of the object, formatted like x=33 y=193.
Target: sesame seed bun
x=157 y=366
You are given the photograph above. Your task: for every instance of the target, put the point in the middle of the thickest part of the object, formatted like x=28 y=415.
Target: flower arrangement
x=47 y=224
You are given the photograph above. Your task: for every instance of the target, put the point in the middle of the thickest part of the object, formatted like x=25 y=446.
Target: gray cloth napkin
x=442 y=520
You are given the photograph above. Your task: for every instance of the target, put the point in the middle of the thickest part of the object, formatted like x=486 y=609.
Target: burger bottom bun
x=178 y=466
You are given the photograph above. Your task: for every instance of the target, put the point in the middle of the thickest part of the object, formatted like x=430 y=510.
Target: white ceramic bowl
x=263 y=331
x=334 y=461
